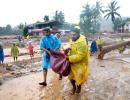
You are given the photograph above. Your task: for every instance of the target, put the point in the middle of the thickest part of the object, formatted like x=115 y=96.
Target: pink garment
x=30 y=47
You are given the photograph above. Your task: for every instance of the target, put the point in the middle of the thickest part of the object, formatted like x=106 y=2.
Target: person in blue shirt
x=47 y=42
x=1 y=55
x=93 y=47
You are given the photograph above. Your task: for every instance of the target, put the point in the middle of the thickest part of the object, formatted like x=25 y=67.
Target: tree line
x=91 y=16
x=90 y=19
x=9 y=30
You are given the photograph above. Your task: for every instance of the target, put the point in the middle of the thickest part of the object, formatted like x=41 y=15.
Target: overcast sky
x=16 y=11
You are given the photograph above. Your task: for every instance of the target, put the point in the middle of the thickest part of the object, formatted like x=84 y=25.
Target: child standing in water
x=1 y=55
x=14 y=52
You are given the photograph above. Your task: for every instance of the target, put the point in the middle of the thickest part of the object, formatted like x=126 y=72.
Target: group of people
x=78 y=57
x=15 y=50
x=14 y=53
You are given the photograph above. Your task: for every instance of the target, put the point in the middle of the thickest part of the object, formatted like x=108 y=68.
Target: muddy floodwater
x=108 y=80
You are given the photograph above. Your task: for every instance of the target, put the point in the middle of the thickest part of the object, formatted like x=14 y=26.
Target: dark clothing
x=94 y=47
x=1 y=55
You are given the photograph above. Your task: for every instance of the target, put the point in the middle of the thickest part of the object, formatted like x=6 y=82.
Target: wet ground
x=108 y=80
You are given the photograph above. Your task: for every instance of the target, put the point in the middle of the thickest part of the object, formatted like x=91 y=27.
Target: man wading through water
x=48 y=42
x=79 y=59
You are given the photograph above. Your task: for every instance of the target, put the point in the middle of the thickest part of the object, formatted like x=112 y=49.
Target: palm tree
x=59 y=16
x=112 y=11
x=99 y=9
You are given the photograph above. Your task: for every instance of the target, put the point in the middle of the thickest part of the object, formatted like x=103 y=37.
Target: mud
x=108 y=80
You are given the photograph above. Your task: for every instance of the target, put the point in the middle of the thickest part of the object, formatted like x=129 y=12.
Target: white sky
x=19 y=11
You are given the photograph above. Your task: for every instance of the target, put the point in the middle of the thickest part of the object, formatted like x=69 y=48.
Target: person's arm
x=43 y=46
x=43 y=50
x=80 y=53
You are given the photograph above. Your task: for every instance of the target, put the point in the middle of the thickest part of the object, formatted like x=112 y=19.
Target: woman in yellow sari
x=79 y=59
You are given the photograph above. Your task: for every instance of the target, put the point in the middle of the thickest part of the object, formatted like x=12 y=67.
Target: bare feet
x=73 y=91
x=78 y=90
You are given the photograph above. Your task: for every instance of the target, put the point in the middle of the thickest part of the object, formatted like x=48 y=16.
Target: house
x=37 y=28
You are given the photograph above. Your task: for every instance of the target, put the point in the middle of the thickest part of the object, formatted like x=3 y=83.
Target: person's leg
x=44 y=77
x=74 y=86
x=100 y=48
x=78 y=90
x=60 y=77
x=14 y=59
x=31 y=56
x=2 y=62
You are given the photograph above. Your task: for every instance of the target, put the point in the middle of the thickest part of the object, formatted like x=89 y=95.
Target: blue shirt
x=94 y=46
x=1 y=55
x=48 y=42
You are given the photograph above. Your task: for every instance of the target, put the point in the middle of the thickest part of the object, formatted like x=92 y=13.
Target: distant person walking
x=1 y=55
x=19 y=38
x=99 y=43
x=14 y=52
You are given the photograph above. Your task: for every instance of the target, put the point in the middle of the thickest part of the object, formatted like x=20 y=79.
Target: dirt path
x=108 y=80
x=24 y=88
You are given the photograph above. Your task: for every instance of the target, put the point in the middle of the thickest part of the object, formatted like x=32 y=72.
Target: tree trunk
x=109 y=48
